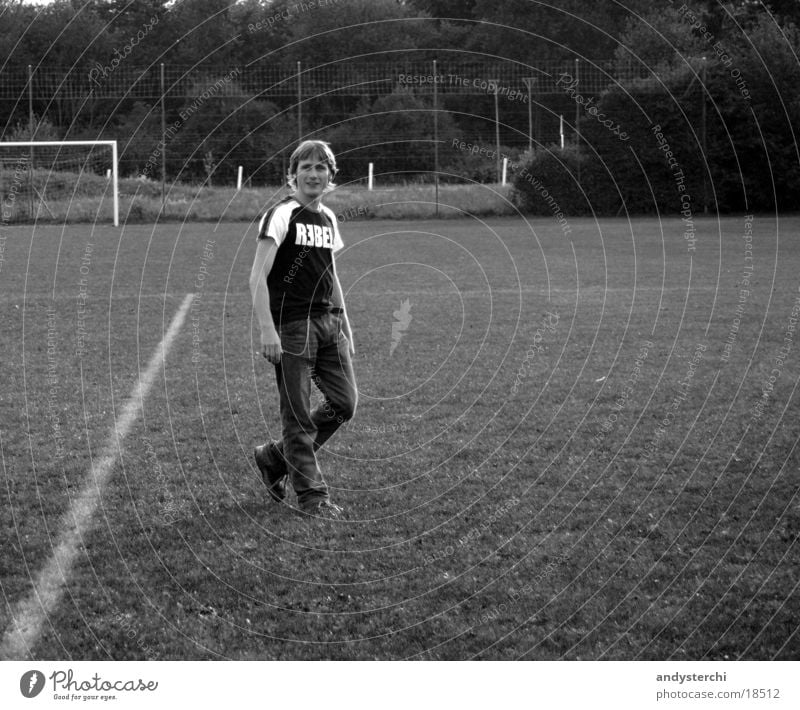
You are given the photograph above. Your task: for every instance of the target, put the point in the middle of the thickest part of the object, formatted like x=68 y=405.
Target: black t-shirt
x=301 y=279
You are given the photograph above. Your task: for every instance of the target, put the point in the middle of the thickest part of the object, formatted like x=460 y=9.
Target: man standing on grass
x=305 y=332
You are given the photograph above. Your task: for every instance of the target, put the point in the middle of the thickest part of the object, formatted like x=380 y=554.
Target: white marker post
x=561 y=129
x=505 y=169
x=239 y=179
x=369 y=177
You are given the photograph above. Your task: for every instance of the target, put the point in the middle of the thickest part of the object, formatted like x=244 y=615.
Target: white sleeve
x=337 y=238
x=278 y=224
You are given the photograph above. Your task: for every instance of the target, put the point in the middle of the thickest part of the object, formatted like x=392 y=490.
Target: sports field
x=568 y=445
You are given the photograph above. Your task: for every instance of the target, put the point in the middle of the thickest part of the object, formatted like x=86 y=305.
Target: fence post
x=496 y=125
x=529 y=83
x=703 y=128
x=299 y=105
x=115 y=177
x=435 y=140
x=163 y=141
x=31 y=130
x=577 y=122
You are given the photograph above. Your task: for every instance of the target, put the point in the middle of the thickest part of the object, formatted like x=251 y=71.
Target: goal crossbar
x=114 y=173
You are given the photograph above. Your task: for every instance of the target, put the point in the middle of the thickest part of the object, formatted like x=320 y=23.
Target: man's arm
x=262 y=265
x=338 y=302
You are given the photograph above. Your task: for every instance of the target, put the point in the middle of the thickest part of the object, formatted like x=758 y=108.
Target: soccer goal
x=85 y=168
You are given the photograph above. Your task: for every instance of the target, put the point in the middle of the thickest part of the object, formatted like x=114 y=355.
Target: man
x=305 y=331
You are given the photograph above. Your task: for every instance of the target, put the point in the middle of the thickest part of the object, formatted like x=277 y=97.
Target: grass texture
x=580 y=447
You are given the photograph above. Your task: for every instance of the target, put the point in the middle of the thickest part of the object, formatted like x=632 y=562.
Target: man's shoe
x=273 y=469
x=324 y=509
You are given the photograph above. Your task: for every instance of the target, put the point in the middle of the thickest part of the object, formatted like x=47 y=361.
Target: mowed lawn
x=579 y=446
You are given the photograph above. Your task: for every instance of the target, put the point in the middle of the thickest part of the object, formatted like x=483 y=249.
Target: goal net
x=39 y=173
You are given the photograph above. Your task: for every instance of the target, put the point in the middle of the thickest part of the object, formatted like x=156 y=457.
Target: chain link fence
x=219 y=117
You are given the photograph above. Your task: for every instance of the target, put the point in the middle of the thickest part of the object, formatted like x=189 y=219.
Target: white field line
x=29 y=615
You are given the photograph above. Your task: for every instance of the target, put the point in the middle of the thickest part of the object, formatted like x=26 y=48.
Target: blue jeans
x=315 y=350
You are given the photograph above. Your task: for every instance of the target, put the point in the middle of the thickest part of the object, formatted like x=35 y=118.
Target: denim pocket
x=294 y=337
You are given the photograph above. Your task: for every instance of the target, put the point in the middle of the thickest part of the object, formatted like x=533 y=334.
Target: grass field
x=582 y=447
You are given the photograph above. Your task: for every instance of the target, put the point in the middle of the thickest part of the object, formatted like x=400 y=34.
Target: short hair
x=311 y=149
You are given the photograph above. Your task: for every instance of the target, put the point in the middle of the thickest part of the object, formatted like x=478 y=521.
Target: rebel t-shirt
x=300 y=282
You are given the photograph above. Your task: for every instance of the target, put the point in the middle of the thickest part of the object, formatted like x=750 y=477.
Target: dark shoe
x=273 y=469
x=324 y=509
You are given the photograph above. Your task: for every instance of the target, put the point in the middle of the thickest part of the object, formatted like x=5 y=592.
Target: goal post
x=58 y=144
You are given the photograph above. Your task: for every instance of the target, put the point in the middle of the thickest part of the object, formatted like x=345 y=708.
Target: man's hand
x=271 y=345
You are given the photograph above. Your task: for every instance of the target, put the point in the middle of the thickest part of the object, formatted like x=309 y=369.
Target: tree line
x=731 y=67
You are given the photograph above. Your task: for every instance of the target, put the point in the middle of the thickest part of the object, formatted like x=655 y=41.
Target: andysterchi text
x=690 y=693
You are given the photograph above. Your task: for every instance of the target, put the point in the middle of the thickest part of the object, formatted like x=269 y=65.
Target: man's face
x=313 y=176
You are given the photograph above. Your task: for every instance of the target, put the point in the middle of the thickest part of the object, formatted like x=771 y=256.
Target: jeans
x=315 y=350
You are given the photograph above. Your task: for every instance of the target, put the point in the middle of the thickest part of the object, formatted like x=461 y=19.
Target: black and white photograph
x=399 y=332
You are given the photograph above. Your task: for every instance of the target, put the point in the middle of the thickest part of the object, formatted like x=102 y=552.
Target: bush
x=460 y=165
x=548 y=183
x=404 y=116
x=714 y=132
x=626 y=162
